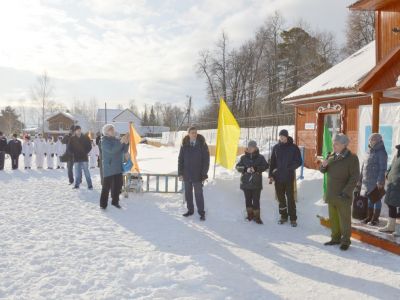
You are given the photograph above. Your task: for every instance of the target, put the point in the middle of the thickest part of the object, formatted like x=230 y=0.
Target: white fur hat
x=106 y=128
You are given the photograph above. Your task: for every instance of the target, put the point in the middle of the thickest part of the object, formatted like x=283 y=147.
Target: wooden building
x=59 y=124
x=368 y=77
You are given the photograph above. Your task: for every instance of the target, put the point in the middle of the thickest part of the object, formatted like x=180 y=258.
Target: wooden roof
x=372 y=5
x=384 y=75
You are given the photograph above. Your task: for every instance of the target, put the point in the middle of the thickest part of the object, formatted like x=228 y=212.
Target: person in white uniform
x=60 y=151
x=93 y=155
x=27 y=152
x=40 y=151
x=51 y=153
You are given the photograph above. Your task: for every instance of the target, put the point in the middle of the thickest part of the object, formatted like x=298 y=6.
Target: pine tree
x=9 y=121
x=152 y=117
x=145 y=118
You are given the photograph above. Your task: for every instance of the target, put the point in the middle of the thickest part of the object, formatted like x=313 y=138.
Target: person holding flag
x=193 y=165
x=113 y=151
x=343 y=171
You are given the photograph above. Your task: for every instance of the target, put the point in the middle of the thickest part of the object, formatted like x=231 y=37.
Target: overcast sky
x=117 y=50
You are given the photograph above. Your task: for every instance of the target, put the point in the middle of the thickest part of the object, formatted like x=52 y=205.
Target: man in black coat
x=252 y=164
x=285 y=159
x=193 y=165
x=80 y=146
x=14 y=150
x=68 y=154
x=3 y=150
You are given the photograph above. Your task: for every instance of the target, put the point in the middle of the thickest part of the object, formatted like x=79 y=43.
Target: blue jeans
x=376 y=205
x=78 y=167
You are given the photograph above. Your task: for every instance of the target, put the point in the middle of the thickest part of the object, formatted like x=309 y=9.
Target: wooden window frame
x=329 y=108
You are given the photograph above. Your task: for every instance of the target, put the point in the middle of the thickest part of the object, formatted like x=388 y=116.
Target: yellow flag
x=228 y=135
x=134 y=139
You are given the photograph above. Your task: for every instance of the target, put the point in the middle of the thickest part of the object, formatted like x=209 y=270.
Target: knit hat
x=252 y=144
x=284 y=132
x=107 y=128
x=341 y=138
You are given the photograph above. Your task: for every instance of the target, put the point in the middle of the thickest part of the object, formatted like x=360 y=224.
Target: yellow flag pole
x=216 y=144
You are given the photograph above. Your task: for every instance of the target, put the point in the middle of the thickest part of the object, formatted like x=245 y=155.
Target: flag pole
x=215 y=161
x=216 y=143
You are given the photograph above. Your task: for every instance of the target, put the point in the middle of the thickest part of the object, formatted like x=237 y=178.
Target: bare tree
x=360 y=30
x=41 y=93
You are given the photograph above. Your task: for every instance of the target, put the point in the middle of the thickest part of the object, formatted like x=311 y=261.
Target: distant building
x=60 y=123
x=121 y=118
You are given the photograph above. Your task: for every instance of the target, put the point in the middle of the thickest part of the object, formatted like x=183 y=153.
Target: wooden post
x=376 y=99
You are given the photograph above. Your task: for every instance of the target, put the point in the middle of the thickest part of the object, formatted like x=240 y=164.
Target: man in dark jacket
x=14 y=149
x=251 y=165
x=3 y=150
x=392 y=197
x=285 y=159
x=80 y=146
x=68 y=154
x=193 y=165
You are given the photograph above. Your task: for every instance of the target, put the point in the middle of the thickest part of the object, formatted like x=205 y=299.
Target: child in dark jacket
x=251 y=165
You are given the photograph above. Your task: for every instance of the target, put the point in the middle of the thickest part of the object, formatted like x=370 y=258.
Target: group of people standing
x=194 y=162
x=46 y=151
x=345 y=181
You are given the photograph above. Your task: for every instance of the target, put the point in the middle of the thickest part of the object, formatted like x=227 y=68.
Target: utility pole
x=105 y=112
x=189 y=109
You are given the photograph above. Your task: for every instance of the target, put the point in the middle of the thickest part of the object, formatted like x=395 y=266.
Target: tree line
x=275 y=61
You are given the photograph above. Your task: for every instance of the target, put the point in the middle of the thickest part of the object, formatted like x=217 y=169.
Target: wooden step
x=370 y=236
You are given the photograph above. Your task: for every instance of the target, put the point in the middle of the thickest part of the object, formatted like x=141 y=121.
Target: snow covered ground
x=55 y=243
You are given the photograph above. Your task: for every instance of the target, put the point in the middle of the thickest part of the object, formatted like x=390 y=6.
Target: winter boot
x=202 y=217
x=293 y=223
x=250 y=214
x=344 y=247
x=397 y=232
x=257 y=217
x=188 y=214
x=369 y=216
x=331 y=243
x=282 y=220
x=375 y=217
x=390 y=226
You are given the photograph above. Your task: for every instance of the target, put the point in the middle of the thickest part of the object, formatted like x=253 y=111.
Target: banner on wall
x=389 y=127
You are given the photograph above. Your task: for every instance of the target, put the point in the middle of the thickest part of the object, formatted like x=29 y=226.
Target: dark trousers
x=14 y=162
x=2 y=156
x=252 y=198
x=198 y=193
x=113 y=183
x=394 y=212
x=70 y=167
x=287 y=205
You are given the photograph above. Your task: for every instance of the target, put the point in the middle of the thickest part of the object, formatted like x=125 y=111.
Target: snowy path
x=56 y=244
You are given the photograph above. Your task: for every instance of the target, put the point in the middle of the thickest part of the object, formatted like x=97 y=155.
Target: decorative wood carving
x=329 y=108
